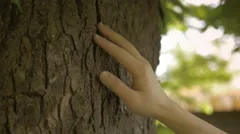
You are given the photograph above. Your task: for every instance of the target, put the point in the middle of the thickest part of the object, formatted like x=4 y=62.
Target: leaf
x=237 y=49
x=207 y=108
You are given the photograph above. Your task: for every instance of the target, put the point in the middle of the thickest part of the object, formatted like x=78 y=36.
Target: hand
x=145 y=97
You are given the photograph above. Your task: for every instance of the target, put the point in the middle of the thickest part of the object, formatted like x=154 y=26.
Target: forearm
x=183 y=122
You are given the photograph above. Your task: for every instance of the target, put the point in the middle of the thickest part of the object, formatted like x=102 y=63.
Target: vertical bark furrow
x=45 y=68
x=98 y=13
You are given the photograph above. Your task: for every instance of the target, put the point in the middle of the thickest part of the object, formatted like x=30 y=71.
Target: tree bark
x=49 y=65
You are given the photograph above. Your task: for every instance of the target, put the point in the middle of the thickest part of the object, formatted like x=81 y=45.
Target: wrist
x=167 y=110
x=177 y=118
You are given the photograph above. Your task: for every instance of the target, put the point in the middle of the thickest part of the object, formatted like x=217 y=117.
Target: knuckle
x=146 y=63
x=134 y=102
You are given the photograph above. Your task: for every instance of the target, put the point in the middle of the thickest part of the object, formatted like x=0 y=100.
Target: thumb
x=117 y=86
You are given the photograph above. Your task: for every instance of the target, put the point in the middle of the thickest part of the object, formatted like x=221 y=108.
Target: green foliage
x=225 y=15
x=172 y=19
x=162 y=129
x=230 y=16
x=207 y=108
x=195 y=69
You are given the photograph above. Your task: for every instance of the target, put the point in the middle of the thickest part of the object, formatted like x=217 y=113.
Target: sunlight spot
x=177 y=9
x=195 y=23
x=212 y=3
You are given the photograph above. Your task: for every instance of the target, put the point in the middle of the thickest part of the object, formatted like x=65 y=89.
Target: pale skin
x=145 y=97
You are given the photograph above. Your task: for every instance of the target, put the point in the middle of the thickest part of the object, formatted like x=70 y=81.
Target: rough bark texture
x=49 y=65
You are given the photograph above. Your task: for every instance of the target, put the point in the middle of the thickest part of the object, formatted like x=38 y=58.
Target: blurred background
x=200 y=59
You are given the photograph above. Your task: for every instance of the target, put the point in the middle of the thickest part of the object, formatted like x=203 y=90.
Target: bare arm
x=145 y=97
x=184 y=122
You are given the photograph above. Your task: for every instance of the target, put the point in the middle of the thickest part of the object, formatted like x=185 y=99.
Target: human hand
x=145 y=97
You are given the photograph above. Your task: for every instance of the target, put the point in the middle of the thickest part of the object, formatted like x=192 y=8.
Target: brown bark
x=49 y=65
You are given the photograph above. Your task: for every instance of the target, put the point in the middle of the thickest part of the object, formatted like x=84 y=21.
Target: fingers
x=119 y=40
x=122 y=56
x=118 y=87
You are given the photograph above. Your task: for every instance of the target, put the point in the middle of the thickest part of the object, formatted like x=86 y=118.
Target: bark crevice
x=98 y=13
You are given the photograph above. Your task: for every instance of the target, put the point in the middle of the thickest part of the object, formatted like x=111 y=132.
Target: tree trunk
x=49 y=65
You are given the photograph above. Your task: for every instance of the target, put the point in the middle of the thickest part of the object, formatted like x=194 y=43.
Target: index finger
x=122 y=56
x=119 y=40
